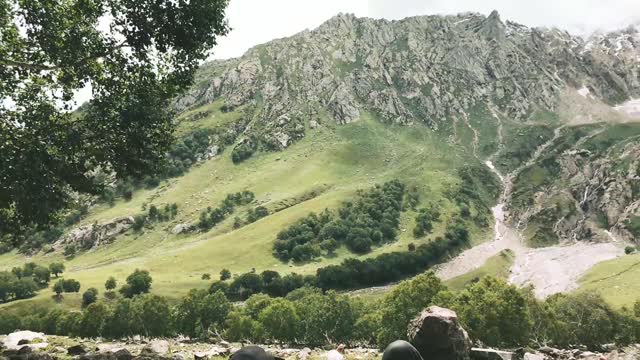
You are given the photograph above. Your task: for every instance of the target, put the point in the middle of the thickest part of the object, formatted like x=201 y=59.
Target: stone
x=437 y=335
x=18 y=338
x=200 y=355
x=75 y=350
x=160 y=347
x=183 y=228
x=530 y=356
x=95 y=235
x=491 y=354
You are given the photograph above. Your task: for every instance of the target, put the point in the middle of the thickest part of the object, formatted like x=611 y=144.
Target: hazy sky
x=258 y=21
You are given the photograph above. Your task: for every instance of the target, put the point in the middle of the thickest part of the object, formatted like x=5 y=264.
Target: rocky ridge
x=426 y=69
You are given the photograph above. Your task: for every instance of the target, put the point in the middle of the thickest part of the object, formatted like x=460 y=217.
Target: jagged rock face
x=426 y=69
x=592 y=197
x=95 y=235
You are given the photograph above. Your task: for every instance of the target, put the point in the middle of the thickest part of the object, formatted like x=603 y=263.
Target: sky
x=255 y=22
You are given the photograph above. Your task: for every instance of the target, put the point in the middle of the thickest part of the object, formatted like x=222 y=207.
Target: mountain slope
x=306 y=122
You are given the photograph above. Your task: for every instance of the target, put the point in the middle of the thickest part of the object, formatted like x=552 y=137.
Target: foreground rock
x=437 y=335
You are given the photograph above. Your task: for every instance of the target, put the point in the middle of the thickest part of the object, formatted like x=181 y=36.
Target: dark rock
x=24 y=341
x=437 y=335
x=77 y=350
x=26 y=353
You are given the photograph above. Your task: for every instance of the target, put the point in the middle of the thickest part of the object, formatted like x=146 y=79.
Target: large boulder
x=16 y=339
x=437 y=335
x=159 y=347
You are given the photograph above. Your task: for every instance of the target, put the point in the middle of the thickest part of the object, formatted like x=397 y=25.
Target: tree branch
x=30 y=66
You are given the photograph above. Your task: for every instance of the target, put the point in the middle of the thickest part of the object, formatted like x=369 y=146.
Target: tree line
x=491 y=310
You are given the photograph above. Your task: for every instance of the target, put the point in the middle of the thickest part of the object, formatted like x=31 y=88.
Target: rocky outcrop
x=592 y=191
x=437 y=335
x=429 y=69
x=94 y=235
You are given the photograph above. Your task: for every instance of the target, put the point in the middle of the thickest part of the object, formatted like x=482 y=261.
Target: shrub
x=70 y=250
x=110 y=284
x=225 y=274
x=138 y=282
x=89 y=297
x=629 y=250
x=206 y=276
x=71 y=285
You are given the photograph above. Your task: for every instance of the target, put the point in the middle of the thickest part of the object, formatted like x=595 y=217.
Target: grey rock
x=490 y=354
x=95 y=235
x=437 y=335
x=183 y=228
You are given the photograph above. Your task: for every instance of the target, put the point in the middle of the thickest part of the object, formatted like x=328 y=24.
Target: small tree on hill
x=225 y=274
x=71 y=285
x=89 y=297
x=58 y=287
x=110 y=284
x=139 y=282
x=56 y=268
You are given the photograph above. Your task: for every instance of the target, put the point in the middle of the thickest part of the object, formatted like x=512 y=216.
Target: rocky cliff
x=429 y=69
x=448 y=73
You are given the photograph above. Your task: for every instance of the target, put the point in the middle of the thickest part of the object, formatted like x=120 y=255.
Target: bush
x=212 y=217
x=629 y=250
x=110 y=284
x=70 y=250
x=71 y=285
x=138 y=282
x=256 y=214
x=225 y=274
x=206 y=277
x=424 y=221
x=243 y=151
x=89 y=297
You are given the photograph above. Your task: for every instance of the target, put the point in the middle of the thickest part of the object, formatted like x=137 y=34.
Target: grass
x=330 y=162
x=616 y=280
x=497 y=266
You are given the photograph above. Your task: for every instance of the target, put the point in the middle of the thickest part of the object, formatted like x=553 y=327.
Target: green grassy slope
x=332 y=161
x=616 y=280
x=497 y=266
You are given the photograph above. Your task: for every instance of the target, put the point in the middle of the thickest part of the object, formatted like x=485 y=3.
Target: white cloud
x=258 y=21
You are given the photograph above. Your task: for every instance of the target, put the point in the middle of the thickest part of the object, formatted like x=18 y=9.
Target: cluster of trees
x=492 y=311
x=155 y=214
x=268 y=282
x=393 y=266
x=351 y=273
x=23 y=282
x=424 y=221
x=477 y=192
x=211 y=217
x=372 y=219
x=66 y=286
